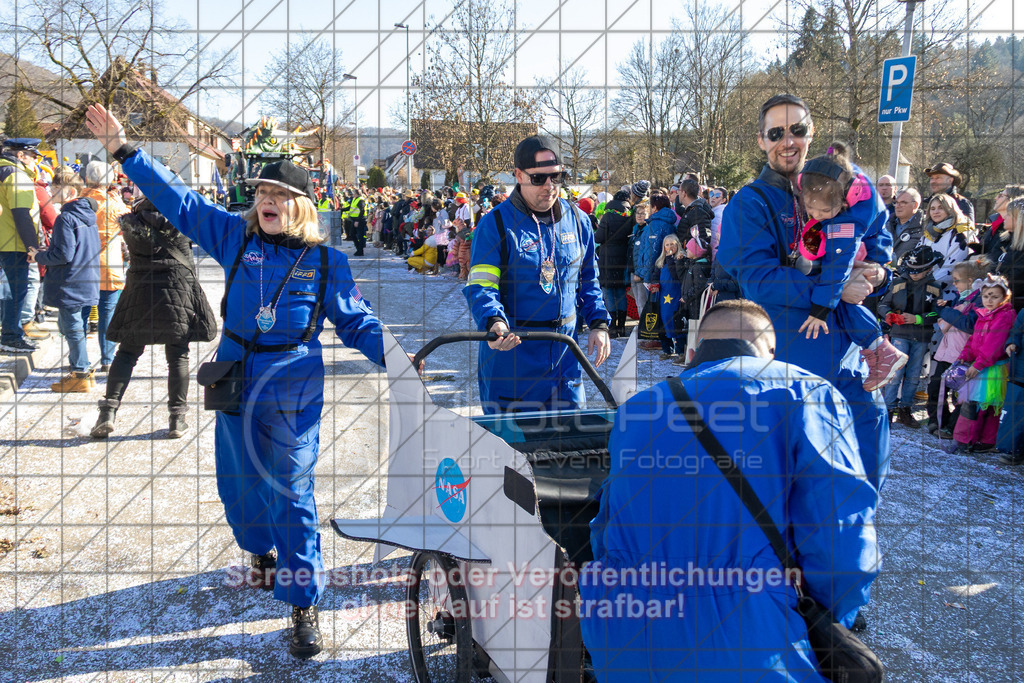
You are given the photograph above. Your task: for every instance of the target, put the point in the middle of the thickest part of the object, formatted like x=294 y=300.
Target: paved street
x=115 y=560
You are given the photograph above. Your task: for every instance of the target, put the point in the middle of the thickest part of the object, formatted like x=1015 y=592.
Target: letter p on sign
x=897 y=76
x=897 y=89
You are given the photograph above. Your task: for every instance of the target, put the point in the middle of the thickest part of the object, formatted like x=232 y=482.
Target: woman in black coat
x=162 y=303
x=613 y=233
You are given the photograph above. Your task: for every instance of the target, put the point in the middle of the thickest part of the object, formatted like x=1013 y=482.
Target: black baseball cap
x=286 y=175
x=526 y=152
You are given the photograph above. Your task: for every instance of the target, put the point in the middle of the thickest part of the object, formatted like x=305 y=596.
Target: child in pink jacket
x=983 y=395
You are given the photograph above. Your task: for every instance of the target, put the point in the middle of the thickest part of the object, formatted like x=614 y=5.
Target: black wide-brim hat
x=287 y=175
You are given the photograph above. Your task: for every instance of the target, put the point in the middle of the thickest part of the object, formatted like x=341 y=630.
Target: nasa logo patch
x=450 y=486
x=529 y=244
x=252 y=258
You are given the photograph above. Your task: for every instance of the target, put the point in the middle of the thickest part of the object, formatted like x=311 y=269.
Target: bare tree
x=575 y=108
x=713 y=61
x=652 y=97
x=96 y=46
x=303 y=87
x=469 y=57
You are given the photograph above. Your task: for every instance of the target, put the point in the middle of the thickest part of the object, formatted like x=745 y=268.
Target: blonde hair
x=304 y=226
x=668 y=238
x=1016 y=209
x=974 y=268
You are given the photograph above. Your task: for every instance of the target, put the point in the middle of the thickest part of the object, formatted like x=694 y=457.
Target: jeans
x=28 y=309
x=108 y=301
x=614 y=299
x=177 y=374
x=16 y=269
x=909 y=375
x=73 y=323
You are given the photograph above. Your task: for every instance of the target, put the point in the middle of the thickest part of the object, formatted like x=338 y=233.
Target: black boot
x=306 y=640
x=176 y=426
x=263 y=570
x=622 y=324
x=105 y=423
x=905 y=417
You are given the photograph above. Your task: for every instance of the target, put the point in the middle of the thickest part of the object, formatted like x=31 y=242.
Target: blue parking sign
x=897 y=89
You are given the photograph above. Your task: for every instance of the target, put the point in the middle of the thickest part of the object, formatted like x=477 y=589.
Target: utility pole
x=408 y=107
x=897 y=128
x=355 y=100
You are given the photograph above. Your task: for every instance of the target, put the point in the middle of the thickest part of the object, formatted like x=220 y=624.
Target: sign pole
x=897 y=129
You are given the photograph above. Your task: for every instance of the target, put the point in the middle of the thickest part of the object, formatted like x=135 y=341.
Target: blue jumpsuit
x=533 y=375
x=665 y=504
x=266 y=456
x=756 y=240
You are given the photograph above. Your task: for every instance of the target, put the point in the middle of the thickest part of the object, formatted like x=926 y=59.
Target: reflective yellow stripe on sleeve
x=485 y=276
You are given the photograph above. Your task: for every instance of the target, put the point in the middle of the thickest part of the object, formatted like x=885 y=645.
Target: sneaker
x=33 y=331
x=667 y=356
x=933 y=427
x=105 y=367
x=983 y=448
x=306 y=640
x=263 y=569
x=1014 y=459
x=883 y=364
x=906 y=417
x=176 y=426
x=19 y=346
x=74 y=383
x=681 y=360
x=960 y=448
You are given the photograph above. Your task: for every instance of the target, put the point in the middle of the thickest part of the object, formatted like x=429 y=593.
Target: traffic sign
x=897 y=89
x=355 y=159
x=408 y=148
x=606 y=176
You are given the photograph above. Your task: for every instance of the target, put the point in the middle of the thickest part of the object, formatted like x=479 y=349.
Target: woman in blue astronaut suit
x=266 y=454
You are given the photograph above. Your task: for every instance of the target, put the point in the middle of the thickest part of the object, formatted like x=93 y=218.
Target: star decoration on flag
x=668 y=298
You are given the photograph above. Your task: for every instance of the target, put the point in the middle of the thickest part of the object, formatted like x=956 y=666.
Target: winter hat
x=921 y=258
x=587 y=204
x=98 y=174
x=695 y=248
x=640 y=188
x=603 y=197
x=621 y=196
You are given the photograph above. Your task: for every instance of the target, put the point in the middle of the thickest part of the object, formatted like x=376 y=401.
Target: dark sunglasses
x=798 y=130
x=539 y=179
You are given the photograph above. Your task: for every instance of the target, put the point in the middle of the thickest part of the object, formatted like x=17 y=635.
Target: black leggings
x=177 y=374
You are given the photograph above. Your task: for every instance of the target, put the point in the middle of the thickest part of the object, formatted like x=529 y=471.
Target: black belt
x=260 y=348
x=546 y=323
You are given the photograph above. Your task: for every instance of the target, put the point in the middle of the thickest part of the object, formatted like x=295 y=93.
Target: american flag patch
x=355 y=294
x=840 y=231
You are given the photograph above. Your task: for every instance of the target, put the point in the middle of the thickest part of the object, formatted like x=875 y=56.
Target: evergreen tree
x=375 y=178
x=20 y=120
x=425 y=180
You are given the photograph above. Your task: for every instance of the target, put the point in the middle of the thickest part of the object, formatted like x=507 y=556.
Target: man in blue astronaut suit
x=533 y=259
x=759 y=232
x=685 y=585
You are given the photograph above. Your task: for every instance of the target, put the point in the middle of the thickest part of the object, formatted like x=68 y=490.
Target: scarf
x=933 y=231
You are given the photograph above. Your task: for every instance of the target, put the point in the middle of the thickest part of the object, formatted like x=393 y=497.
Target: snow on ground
x=121 y=562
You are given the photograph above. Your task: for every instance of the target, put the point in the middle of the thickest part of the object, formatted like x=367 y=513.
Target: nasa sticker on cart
x=450 y=487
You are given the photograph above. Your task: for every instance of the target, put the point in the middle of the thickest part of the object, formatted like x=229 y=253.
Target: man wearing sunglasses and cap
x=759 y=238
x=533 y=267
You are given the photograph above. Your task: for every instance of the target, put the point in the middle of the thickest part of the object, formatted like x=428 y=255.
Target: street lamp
x=355 y=100
x=408 y=95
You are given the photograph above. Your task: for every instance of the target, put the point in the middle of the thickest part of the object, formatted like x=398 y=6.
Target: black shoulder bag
x=842 y=657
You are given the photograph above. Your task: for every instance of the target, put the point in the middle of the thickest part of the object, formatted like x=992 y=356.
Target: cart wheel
x=437 y=621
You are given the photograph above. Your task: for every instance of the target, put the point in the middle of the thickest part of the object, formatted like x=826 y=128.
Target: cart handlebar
x=534 y=335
